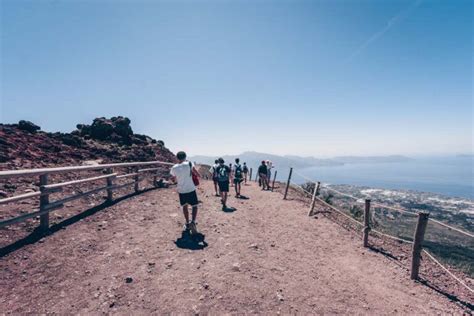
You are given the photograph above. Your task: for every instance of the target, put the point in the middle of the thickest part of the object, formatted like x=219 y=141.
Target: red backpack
x=194 y=175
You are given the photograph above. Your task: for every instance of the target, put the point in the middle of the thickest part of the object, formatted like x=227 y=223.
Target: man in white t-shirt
x=182 y=175
x=213 y=171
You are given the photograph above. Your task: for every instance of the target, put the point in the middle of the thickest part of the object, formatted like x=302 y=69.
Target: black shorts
x=188 y=198
x=238 y=180
x=223 y=186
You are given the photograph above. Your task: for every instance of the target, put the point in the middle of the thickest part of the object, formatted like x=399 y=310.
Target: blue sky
x=315 y=78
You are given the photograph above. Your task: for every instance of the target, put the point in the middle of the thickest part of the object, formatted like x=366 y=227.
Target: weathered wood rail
x=46 y=188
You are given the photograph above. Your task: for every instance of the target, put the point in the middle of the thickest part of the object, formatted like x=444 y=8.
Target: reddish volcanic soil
x=266 y=257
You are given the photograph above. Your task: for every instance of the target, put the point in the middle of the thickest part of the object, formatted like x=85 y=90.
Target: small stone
x=280 y=296
x=236 y=267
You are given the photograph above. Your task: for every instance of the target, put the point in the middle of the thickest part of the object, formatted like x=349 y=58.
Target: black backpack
x=222 y=174
x=238 y=171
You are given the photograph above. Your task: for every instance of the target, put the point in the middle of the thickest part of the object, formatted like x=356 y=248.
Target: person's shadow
x=229 y=209
x=191 y=241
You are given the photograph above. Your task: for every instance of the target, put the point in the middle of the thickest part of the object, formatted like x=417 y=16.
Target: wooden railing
x=418 y=237
x=46 y=188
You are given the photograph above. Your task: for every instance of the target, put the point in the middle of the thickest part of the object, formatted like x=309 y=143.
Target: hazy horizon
x=307 y=78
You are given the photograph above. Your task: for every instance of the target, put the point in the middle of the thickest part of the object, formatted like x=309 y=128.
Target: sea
x=449 y=176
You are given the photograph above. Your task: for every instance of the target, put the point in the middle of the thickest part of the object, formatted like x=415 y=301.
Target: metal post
x=417 y=244
x=44 y=201
x=366 y=223
x=317 y=188
x=288 y=184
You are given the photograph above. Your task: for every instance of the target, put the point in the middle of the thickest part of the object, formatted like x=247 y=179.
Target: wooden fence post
x=313 y=201
x=250 y=177
x=274 y=178
x=288 y=184
x=110 y=183
x=155 y=178
x=317 y=188
x=366 y=223
x=44 y=201
x=417 y=244
x=137 y=181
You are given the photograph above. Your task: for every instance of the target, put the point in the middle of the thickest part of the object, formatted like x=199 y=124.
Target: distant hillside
x=372 y=159
x=254 y=159
x=285 y=162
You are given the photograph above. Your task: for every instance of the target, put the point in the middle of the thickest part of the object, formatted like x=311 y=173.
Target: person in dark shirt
x=263 y=174
x=245 y=170
x=238 y=177
x=223 y=177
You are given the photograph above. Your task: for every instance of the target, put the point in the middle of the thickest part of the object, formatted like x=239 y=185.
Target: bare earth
x=266 y=257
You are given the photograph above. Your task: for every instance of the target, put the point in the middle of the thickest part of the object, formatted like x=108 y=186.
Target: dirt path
x=267 y=256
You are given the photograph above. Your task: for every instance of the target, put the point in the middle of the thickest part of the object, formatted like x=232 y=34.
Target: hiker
x=231 y=175
x=182 y=174
x=238 y=177
x=245 y=169
x=269 y=171
x=263 y=174
x=213 y=171
x=223 y=175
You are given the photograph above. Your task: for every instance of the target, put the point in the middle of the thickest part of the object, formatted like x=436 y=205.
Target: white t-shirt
x=213 y=168
x=182 y=172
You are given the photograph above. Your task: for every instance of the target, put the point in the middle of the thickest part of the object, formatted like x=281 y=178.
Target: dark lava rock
x=28 y=126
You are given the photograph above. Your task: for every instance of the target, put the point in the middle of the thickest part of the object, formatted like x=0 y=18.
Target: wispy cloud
x=394 y=20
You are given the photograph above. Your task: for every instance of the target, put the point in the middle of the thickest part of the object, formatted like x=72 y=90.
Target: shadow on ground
x=452 y=297
x=191 y=242
x=243 y=197
x=38 y=234
x=229 y=209
x=383 y=252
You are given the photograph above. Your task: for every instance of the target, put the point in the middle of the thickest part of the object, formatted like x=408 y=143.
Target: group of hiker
x=185 y=175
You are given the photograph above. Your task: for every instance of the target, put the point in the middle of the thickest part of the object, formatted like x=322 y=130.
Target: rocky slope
x=24 y=145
